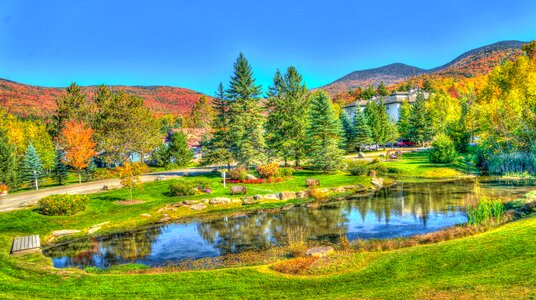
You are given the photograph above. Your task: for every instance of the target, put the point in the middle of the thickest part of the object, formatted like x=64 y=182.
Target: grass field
x=496 y=264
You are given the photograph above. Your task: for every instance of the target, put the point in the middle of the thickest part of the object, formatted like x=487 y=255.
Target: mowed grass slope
x=497 y=264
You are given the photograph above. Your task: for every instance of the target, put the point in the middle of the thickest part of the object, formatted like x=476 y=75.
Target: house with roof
x=392 y=103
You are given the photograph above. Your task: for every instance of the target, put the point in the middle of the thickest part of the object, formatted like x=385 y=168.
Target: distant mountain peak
x=474 y=62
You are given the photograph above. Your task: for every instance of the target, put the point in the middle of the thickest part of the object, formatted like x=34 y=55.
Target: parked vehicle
x=405 y=143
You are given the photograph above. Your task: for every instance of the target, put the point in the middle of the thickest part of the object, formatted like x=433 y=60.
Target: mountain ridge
x=470 y=63
x=31 y=100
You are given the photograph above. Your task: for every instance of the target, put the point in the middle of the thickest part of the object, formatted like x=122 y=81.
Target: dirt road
x=25 y=199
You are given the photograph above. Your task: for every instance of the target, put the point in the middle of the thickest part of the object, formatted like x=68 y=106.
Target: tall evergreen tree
x=348 y=131
x=60 y=173
x=218 y=149
x=9 y=169
x=382 y=90
x=368 y=92
x=378 y=120
x=362 y=130
x=178 y=149
x=287 y=120
x=246 y=123
x=403 y=119
x=323 y=133
x=31 y=167
x=420 y=127
x=71 y=106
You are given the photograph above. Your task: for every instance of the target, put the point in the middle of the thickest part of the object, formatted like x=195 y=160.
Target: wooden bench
x=26 y=244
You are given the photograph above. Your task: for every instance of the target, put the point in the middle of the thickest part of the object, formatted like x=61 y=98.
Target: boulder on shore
x=302 y=194
x=320 y=251
x=249 y=201
x=164 y=220
x=257 y=197
x=190 y=202
x=271 y=197
x=219 y=200
x=287 y=195
x=377 y=182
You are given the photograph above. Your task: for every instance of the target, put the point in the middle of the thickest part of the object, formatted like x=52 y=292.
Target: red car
x=405 y=143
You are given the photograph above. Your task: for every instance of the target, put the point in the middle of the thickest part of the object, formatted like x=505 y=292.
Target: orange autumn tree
x=78 y=144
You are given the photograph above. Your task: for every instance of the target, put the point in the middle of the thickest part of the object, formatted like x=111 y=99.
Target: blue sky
x=193 y=44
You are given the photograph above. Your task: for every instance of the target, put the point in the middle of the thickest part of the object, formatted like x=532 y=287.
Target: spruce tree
x=420 y=123
x=60 y=173
x=362 y=130
x=348 y=131
x=288 y=105
x=246 y=123
x=178 y=149
x=218 y=150
x=323 y=133
x=403 y=119
x=382 y=90
x=9 y=169
x=31 y=168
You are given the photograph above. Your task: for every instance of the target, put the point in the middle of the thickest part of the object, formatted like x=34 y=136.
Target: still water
x=405 y=210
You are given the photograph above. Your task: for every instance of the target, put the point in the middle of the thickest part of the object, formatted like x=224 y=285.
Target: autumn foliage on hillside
x=27 y=100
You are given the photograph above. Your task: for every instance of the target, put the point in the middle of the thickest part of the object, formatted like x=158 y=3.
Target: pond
x=404 y=210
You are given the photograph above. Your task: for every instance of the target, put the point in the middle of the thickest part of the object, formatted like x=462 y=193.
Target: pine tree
x=403 y=119
x=246 y=123
x=178 y=149
x=420 y=128
x=32 y=169
x=218 y=150
x=59 y=173
x=288 y=105
x=348 y=131
x=9 y=169
x=71 y=106
x=323 y=133
x=368 y=92
x=382 y=90
x=378 y=120
x=361 y=129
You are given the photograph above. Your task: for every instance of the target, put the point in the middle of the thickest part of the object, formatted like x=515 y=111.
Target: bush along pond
x=403 y=210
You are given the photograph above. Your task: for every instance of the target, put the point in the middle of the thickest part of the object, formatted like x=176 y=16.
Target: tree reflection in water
x=404 y=210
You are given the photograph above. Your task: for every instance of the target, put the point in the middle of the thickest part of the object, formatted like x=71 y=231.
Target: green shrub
x=358 y=170
x=62 y=205
x=379 y=167
x=443 y=150
x=356 y=167
x=238 y=173
x=393 y=170
x=182 y=188
x=203 y=184
x=268 y=171
x=286 y=172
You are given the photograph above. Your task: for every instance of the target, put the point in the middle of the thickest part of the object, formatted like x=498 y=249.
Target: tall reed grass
x=511 y=163
x=485 y=212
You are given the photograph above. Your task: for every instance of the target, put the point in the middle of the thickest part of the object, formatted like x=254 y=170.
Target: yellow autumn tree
x=129 y=174
x=78 y=144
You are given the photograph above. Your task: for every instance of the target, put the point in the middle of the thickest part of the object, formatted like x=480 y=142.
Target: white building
x=392 y=103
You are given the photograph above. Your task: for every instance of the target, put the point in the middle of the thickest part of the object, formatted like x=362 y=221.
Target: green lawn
x=418 y=165
x=497 y=264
